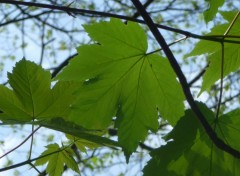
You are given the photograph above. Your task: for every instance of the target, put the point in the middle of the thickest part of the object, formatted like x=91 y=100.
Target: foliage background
x=50 y=37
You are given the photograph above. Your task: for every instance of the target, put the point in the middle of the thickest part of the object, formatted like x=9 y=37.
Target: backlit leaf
x=31 y=96
x=62 y=97
x=56 y=157
x=83 y=144
x=231 y=57
x=11 y=106
x=31 y=85
x=120 y=79
x=211 y=12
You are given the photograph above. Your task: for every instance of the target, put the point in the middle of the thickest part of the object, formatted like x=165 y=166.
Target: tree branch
x=105 y=14
x=62 y=65
x=25 y=140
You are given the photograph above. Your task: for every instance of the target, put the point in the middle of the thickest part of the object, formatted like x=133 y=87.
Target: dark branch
x=197 y=77
x=147 y=3
x=105 y=14
x=62 y=65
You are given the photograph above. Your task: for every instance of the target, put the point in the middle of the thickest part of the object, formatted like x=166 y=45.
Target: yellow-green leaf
x=214 y=51
x=56 y=157
x=119 y=78
x=31 y=96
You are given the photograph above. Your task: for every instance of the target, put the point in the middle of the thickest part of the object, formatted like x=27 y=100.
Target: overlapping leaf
x=231 y=56
x=56 y=157
x=192 y=152
x=31 y=96
x=83 y=144
x=120 y=79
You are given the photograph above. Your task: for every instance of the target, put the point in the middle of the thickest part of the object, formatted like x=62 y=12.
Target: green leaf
x=229 y=15
x=120 y=79
x=69 y=160
x=56 y=157
x=11 y=106
x=51 y=149
x=62 y=97
x=229 y=128
x=83 y=144
x=187 y=126
x=31 y=96
x=211 y=12
x=31 y=85
x=231 y=58
x=191 y=145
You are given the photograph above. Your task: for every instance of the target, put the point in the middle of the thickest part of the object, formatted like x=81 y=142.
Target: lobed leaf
x=120 y=79
x=31 y=85
x=11 y=107
x=31 y=97
x=56 y=157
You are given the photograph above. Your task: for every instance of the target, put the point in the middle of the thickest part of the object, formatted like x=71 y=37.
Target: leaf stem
x=221 y=82
x=31 y=144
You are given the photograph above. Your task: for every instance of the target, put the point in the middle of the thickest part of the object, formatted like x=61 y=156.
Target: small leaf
x=51 y=156
x=211 y=12
x=56 y=157
x=31 y=97
x=83 y=144
x=69 y=160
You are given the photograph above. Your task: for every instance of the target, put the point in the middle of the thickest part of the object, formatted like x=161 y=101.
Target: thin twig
x=30 y=160
x=76 y=11
x=62 y=65
x=25 y=140
x=221 y=82
x=31 y=144
x=34 y=167
x=197 y=77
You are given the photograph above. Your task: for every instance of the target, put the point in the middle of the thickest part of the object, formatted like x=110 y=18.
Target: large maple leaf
x=119 y=78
